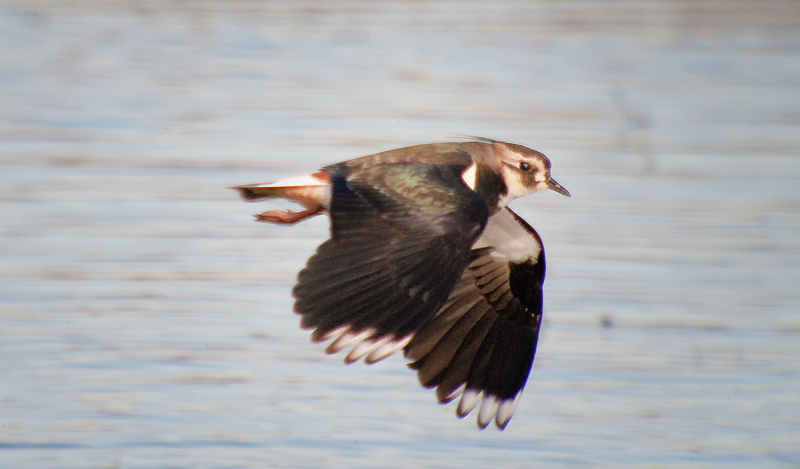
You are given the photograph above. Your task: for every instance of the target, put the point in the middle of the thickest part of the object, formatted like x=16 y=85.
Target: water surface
x=145 y=320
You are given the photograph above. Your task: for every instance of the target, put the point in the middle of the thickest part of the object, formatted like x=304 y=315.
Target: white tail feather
x=307 y=180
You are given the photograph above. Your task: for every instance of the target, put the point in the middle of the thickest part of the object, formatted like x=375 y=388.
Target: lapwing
x=424 y=256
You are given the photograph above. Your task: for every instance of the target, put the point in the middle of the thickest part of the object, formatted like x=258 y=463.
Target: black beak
x=553 y=185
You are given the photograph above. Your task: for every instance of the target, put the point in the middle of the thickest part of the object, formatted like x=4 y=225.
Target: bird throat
x=489 y=185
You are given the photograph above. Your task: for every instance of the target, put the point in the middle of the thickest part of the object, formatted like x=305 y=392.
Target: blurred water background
x=145 y=320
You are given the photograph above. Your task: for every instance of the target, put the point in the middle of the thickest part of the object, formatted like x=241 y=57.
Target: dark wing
x=482 y=342
x=400 y=239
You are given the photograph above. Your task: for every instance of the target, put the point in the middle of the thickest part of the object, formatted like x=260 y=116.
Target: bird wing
x=482 y=342
x=401 y=236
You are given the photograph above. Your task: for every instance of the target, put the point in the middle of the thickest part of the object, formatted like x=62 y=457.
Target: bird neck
x=489 y=185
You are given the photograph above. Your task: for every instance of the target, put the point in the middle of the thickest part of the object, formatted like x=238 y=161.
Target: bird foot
x=287 y=217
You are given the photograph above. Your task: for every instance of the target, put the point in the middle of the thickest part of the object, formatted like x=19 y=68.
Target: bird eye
x=524 y=166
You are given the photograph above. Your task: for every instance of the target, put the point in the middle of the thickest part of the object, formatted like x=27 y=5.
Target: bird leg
x=288 y=217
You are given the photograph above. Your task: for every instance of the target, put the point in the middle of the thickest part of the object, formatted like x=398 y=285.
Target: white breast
x=504 y=233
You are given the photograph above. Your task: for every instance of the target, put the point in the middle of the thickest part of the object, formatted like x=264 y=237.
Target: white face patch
x=516 y=180
x=517 y=188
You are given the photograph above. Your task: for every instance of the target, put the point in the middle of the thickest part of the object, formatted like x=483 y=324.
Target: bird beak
x=553 y=185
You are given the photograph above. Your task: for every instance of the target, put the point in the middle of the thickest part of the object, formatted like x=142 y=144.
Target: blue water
x=145 y=320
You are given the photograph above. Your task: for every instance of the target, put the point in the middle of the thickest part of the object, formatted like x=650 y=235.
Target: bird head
x=525 y=171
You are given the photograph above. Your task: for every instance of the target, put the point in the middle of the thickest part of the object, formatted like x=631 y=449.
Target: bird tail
x=313 y=187
x=256 y=192
x=312 y=192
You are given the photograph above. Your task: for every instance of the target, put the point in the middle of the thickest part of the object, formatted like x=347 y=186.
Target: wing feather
x=400 y=240
x=484 y=342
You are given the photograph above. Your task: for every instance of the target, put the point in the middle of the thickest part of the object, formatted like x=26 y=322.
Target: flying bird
x=424 y=256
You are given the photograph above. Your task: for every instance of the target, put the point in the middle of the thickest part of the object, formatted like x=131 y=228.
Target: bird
x=424 y=256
